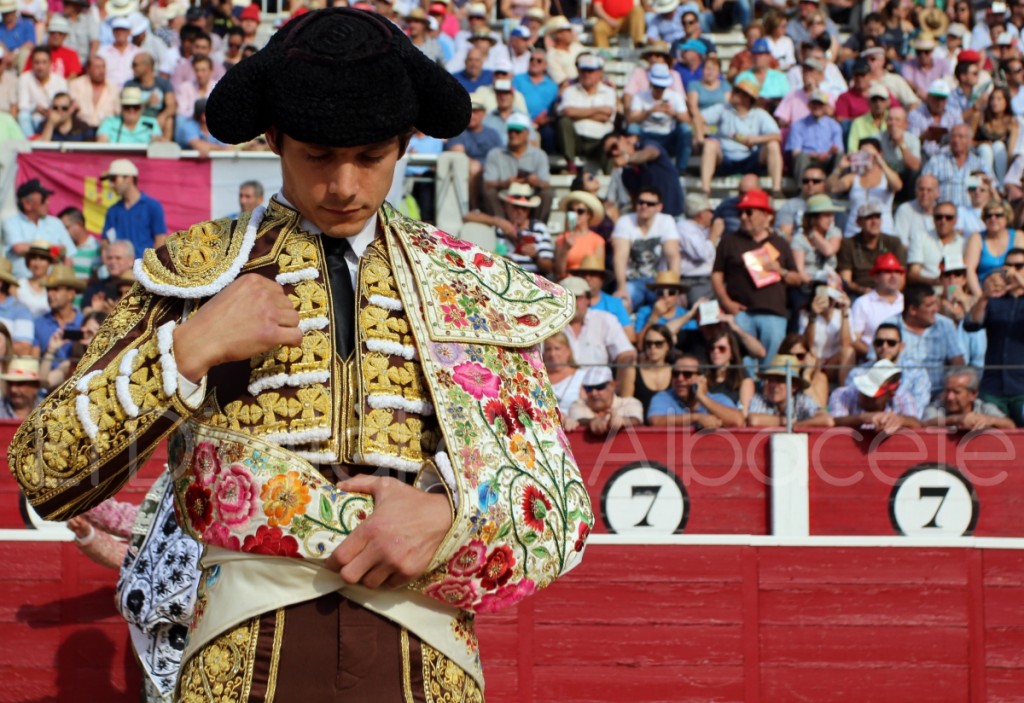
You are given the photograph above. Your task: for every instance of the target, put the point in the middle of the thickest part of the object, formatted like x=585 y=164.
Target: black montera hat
x=337 y=77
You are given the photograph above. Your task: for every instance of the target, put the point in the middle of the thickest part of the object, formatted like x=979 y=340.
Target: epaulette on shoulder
x=200 y=261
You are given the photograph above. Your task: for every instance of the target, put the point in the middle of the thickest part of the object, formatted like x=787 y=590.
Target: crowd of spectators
x=868 y=258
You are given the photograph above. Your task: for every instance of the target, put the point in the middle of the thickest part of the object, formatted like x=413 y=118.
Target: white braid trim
x=92 y=430
x=388 y=462
x=279 y=380
x=318 y=457
x=388 y=347
x=397 y=402
x=444 y=465
x=216 y=285
x=383 y=301
x=122 y=383
x=168 y=367
x=303 y=437
x=83 y=383
x=307 y=274
x=313 y=323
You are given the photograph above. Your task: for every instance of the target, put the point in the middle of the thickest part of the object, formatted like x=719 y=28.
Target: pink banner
x=182 y=187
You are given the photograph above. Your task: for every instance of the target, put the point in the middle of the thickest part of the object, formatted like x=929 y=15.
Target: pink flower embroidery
x=533 y=358
x=497 y=570
x=455 y=316
x=234 y=495
x=468 y=559
x=547 y=285
x=205 y=463
x=477 y=380
x=506 y=596
x=219 y=536
x=450 y=241
x=458 y=593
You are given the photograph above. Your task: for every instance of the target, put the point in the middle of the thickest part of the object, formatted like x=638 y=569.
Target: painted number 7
x=651 y=491
x=939 y=492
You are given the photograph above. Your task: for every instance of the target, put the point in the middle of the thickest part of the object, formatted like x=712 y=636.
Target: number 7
x=651 y=491
x=934 y=492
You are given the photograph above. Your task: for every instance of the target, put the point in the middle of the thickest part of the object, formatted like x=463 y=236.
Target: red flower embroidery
x=497 y=570
x=205 y=463
x=198 y=507
x=468 y=559
x=495 y=410
x=535 y=508
x=454 y=259
x=520 y=409
x=583 y=532
x=482 y=261
x=272 y=541
x=458 y=593
x=219 y=536
x=506 y=596
x=528 y=320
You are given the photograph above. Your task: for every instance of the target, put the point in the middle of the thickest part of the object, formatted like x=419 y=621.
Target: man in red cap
x=878 y=305
x=970 y=88
x=249 y=21
x=751 y=272
x=856 y=258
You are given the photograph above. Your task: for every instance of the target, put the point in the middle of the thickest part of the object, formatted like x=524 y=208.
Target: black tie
x=342 y=295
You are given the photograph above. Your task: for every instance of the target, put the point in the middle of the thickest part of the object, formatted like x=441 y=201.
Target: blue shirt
x=24 y=32
x=644 y=314
x=615 y=306
x=422 y=145
x=932 y=350
x=139 y=224
x=689 y=76
x=776 y=84
x=812 y=135
x=477 y=144
x=952 y=178
x=539 y=96
x=1004 y=330
x=666 y=403
x=18 y=320
x=46 y=325
x=486 y=77
x=18 y=229
x=668 y=29
x=187 y=128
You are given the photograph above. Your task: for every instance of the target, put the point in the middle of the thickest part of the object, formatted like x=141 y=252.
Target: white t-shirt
x=600 y=341
x=658 y=122
x=603 y=96
x=646 y=257
x=868 y=312
x=826 y=335
x=927 y=250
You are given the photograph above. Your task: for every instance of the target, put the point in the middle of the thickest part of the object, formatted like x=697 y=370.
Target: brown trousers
x=327 y=650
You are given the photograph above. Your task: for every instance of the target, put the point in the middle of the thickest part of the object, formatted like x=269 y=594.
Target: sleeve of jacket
x=90 y=435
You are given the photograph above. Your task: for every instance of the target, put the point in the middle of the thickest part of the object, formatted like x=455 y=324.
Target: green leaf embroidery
x=325 y=509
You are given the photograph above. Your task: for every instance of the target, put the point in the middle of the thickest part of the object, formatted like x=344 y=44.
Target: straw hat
x=591 y=264
x=7 y=272
x=62 y=275
x=520 y=194
x=667 y=279
x=41 y=247
x=22 y=368
x=591 y=201
x=785 y=365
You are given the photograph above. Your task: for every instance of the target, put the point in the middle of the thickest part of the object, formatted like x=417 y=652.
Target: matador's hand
x=250 y=316
x=396 y=543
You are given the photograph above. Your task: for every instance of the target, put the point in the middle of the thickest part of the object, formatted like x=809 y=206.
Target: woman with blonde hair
x=564 y=375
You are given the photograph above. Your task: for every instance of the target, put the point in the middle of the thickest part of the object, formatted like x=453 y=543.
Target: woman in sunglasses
x=985 y=252
x=563 y=373
x=654 y=371
x=583 y=211
x=726 y=372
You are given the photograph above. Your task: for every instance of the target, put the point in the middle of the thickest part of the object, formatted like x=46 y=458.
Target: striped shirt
x=536 y=231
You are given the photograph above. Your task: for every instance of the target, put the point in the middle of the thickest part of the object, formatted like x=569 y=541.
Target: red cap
x=969 y=56
x=756 y=200
x=887 y=262
x=438 y=8
x=299 y=12
x=252 y=12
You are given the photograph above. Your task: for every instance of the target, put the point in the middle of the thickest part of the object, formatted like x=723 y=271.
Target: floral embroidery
x=205 y=463
x=506 y=596
x=583 y=532
x=283 y=497
x=198 y=506
x=468 y=559
x=477 y=380
x=458 y=593
x=535 y=508
x=236 y=494
x=454 y=315
x=270 y=540
x=497 y=570
x=219 y=536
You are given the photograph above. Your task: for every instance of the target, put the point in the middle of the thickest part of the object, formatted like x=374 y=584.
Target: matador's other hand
x=397 y=542
x=250 y=316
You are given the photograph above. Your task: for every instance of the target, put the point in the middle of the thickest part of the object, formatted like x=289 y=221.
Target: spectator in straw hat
x=32 y=288
x=583 y=212
x=665 y=23
x=524 y=237
x=563 y=49
x=875 y=400
x=593 y=271
x=131 y=126
x=669 y=305
x=136 y=217
x=21 y=380
x=416 y=25
x=32 y=223
x=768 y=407
x=17 y=318
x=61 y=288
x=746 y=141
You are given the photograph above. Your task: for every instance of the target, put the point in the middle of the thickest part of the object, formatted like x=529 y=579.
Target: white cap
x=939 y=88
x=59 y=24
x=575 y=285
x=121 y=167
x=589 y=62
x=596 y=375
x=503 y=85
x=121 y=23
x=872 y=382
x=660 y=75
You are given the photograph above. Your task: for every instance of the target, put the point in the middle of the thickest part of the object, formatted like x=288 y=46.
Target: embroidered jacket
x=447 y=381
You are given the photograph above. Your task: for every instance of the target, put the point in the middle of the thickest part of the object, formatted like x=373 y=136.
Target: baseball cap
x=575 y=285
x=694 y=45
x=817 y=96
x=761 y=47
x=969 y=56
x=939 y=88
x=59 y=24
x=589 y=62
x=957 y=29
x=121 y=167
x=503 y=85
x=861 y=67
x=596 y=376
x=877 y=90
x=121 y=23
x=520 y=32
x=872 y=51
x=517 y=122
x=814 y=64
x=878 y=379
x=252 y=12
x=871 y=207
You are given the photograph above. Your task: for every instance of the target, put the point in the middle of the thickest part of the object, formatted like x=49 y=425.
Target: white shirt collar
x=358 y=242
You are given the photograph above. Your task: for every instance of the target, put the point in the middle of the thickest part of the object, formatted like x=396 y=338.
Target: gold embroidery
x=300 y=252
x=310 y=299
x=313 y=355
x=221 y=672
x=278 y=411
x=198 y=255
x=444 y=681
x=406 y=668
x=275 y=656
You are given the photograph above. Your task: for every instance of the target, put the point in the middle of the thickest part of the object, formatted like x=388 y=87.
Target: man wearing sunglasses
x=599 y=409
x=888 y=344
x=62 y=123
x=913 y=219
x=875 y=400
x=928 y=251
x=1000 y=312
x=687 y=402
x=811 y=183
